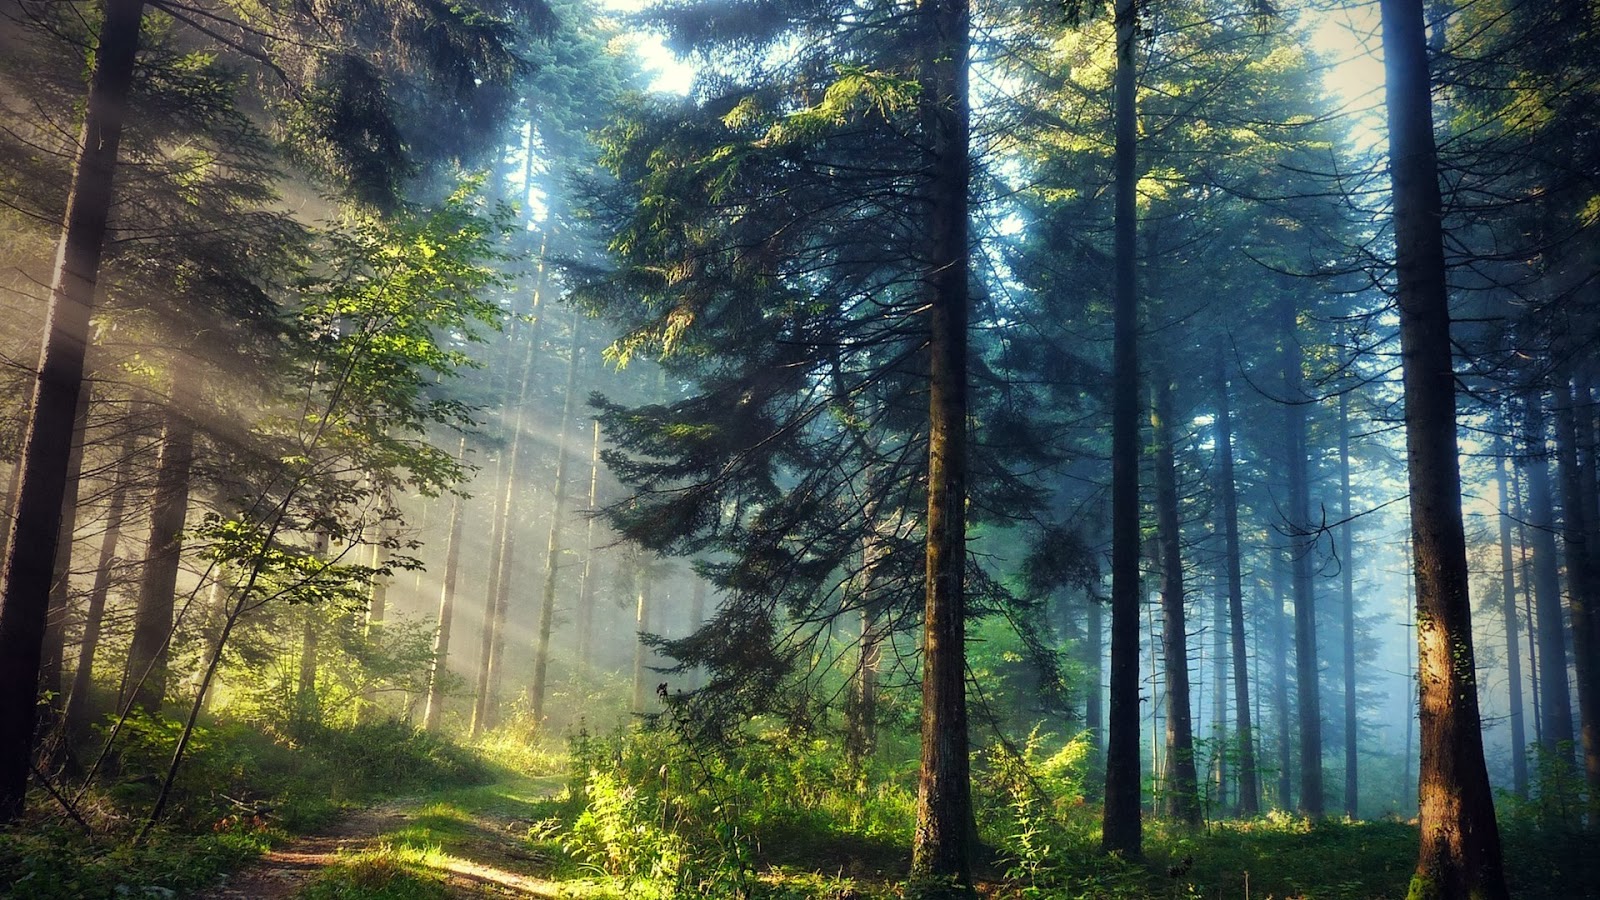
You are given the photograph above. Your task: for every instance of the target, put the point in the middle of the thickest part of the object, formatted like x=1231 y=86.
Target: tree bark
x=433 y=713
x=1121 y=830
x=1249 y=780
x=1582 y=592
x=169 y=506
x=586 y=592
x=1181 y=781
x=941 y=846
x=1459 y=854
x=641 y=626
x=1308 y=693
x=55 y=634
x=79 y=701
x=547 y=606
x=1508 y=612
x=1280 y=676
x=30 y=552
x=1347 y=571
x=499 y=516
x=1555 y=693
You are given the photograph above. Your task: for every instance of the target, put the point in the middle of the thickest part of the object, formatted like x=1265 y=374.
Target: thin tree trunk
x=1508 y=607
x=1181 y=781
x=1347 y=572
x=586 y=592
x=1121 y=830
x=1308 y=694
x=433 y=713
x=1460 y=846
x=1582 y=593
x=498 y=515
x=30 y=553
x=1094 y=698
x=508 y=527
x=79 y=701
x=552 y=558
x=1555 y=695
x=308 y=707
x=1249 y=781
x=1280 y=678
x=1219 y=696
x=863 y=718
x=641 y=627
x=169 y=505
x=55 y=634
x=1523 y=567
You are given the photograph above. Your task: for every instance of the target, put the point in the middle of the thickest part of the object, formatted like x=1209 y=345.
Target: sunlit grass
x=386 y=872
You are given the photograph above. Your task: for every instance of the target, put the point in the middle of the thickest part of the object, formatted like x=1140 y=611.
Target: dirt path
x=489 y=860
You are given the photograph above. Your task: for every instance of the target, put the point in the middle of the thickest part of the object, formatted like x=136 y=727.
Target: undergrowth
x=241 y=791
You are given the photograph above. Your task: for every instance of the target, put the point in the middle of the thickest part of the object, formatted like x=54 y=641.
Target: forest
x=785 y=449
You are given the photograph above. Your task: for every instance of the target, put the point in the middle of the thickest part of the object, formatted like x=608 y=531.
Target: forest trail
x=472 y=841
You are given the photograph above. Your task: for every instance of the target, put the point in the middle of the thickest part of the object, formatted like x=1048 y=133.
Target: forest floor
x=468 y=842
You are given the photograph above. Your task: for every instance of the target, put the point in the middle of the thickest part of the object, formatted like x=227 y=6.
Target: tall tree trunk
x=55 y=634
x=1460 y=847
x=1094 y=698
x=1508 y=607
x=547 y=606
x=1121 y=830
x=1582 y=592
x=169 y=505
x=586 y=592
x=508 y=524
x=30 y=553
x=641 y=627
x=941 y=846
x=433 y=713
x=1219 y=697
x=498 y=516
x=1523 y=567
x=308 y=706
x=1280 y=676
x=1180 y=779
x=1249 y=781
x=1308 y=692
x=1555 y=694
x=863 y=719
x=79 y=701
x=1347 y=571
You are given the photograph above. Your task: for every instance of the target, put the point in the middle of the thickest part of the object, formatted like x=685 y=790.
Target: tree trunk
x=941 y=846
x=508 y=524
x=1180 y=779
x=30 y=553
x=586 y=592
x=55 y=634
x=552 y=558
x=1555 y=694
x=169 y=505
x=863 y=716
x=641 y=626
x=1508 y=607
x=1121 y=830
x=1582 y=592
x=1521 y=517
x=1460 y=847
x=1308 y=694
x=79 y=709
x=1219 y=697
x=498 y=516
x=1094 y=698
x=1347 y=572
x=433 y=713
x=308 y=708
x=1249 y=781
x=1280 y=676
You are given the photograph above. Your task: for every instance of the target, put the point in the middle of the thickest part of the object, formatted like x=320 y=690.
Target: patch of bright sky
x=671 y=75
x=1346 y=35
